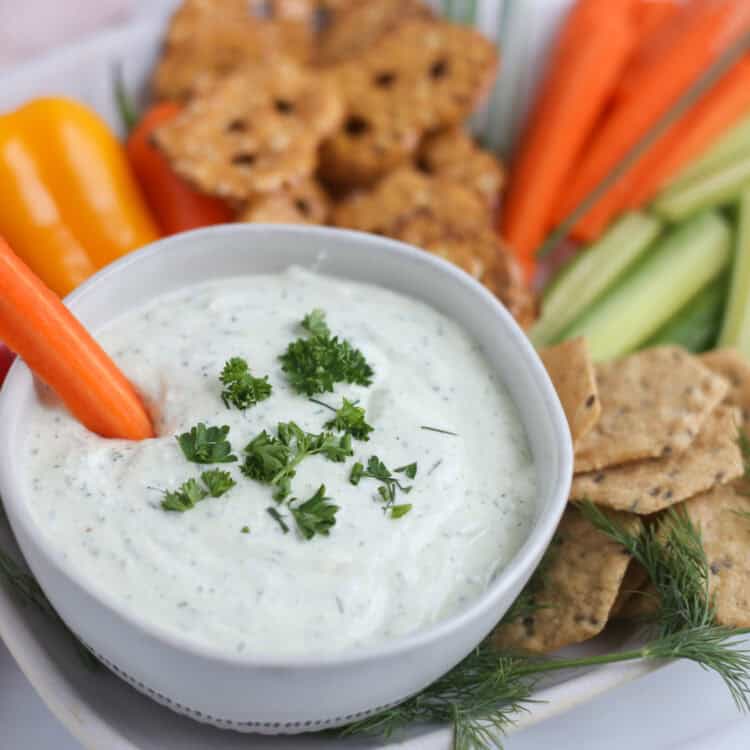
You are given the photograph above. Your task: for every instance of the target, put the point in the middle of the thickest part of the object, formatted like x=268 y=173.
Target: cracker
x=407 y=193
x=641 y=606
x=571 y=370
x=255 y=132
x=730 y=364
x=652 y=485
x=653 y=403
x=506 y=280
x=423 y=76
x=352 y=30
x=452 y=154
x=635 y=579
x=305 y=202
x=578 y=590
x=207 y=39
x=723 y=518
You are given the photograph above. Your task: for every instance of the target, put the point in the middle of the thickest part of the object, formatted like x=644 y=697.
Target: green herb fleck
x=400 y=510
x=185 y=498
x=206 y=445
x=241 y=388
x=317 y=515
x=351 y=419
x=376 y=469
x=274 y=460
x=217 y=482
x=245 y=530
x=314 y=364
x=437 y=429
x=278 y=518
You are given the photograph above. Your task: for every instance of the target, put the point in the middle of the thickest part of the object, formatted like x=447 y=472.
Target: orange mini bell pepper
x=70 y=204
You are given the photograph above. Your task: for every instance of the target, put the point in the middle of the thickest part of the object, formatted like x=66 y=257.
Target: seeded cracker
x=452 y=154
x=571 y=370
x=652 y=485
x=207 y=39
x=653 y=403
x=578 y=589
x=256 y=132
x=354 y=29
x=305 y=202
x=735 y=368
x=723 y=519
x=635 y=578
x=423 y=76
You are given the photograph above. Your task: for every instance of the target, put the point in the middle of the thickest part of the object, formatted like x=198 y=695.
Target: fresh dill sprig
x=206 y=445
x=241 y=388
x=315 y=363
x=274 y=459
x=317 y=515
x=376 y=469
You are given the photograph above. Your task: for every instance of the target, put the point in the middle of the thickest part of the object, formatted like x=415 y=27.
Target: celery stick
x=696 y=326
x=736 y=328
x=700 y=193
x=674 y=271
x=734 y=144
x=591 y=273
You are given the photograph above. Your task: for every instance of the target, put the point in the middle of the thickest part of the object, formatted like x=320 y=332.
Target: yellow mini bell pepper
x=69 y=202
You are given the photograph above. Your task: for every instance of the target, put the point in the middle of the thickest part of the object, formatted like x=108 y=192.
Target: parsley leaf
x=315 y=323
x=274 y=460
x=350 y=418
x=217 y=482
x=241 y=389
x=206 y=445
x=376 y=469
x=278 y=518
x=314 y=364
x=191 y=492
x=186 y=497
x=317 y=515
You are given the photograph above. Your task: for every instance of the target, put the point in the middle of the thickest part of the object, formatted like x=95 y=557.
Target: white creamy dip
x=265 y=592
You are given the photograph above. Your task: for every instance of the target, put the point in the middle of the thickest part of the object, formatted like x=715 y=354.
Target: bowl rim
x=14 y=492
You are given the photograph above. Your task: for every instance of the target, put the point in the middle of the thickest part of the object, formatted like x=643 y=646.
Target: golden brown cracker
x=650 y=485
x=506 y=280
x=654 y=403
x=578 y=589
x=571 y=370
x=453 y=155
x=730 y=364
x=423 y=76
x=635 y=579
x=208 y=39
x=722 y=516
x=353 y=29
x=641 y=606
x=305 y=202
x=257 y=131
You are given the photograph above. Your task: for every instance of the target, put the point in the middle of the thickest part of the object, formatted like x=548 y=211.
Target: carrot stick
x=54 y=344
x=652 y=18
x=583 y=71
x=714 y=114
x=176 y=204
x=640 y=101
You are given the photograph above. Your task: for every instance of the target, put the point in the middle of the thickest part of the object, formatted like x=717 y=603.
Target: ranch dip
x=224 y=574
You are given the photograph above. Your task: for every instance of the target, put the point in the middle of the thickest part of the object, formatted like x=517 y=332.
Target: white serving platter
x=99 y=709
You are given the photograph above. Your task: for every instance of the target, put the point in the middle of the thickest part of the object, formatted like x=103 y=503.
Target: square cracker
x=736 y=369
x=653 y=484
x=571 y=370
x=578 y=589
x=636 y=577
x=654 y=403
x=723 y=518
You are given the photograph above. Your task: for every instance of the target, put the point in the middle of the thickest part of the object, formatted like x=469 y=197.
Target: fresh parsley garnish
x=206 y=445
x=314 y=364
x=349 y=418
x=278 y=518
x=376 y=469
x=317 y=515
x=274 y=459
x=214 y=483
x=241 y=388
x=245 y=530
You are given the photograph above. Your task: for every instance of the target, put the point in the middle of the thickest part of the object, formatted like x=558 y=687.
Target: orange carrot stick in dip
x=35 y=324
x=583 y=70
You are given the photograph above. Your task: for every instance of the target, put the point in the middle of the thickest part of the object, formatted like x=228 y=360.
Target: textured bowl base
x=249 y=726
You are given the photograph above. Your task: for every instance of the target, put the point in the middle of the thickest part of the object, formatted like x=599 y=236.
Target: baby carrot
x=35 y=324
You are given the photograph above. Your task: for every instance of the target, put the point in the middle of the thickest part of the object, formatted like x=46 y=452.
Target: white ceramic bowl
x=301 y=694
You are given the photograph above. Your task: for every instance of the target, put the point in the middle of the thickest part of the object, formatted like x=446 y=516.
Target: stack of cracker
x=343 y=112
x=654 y=430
